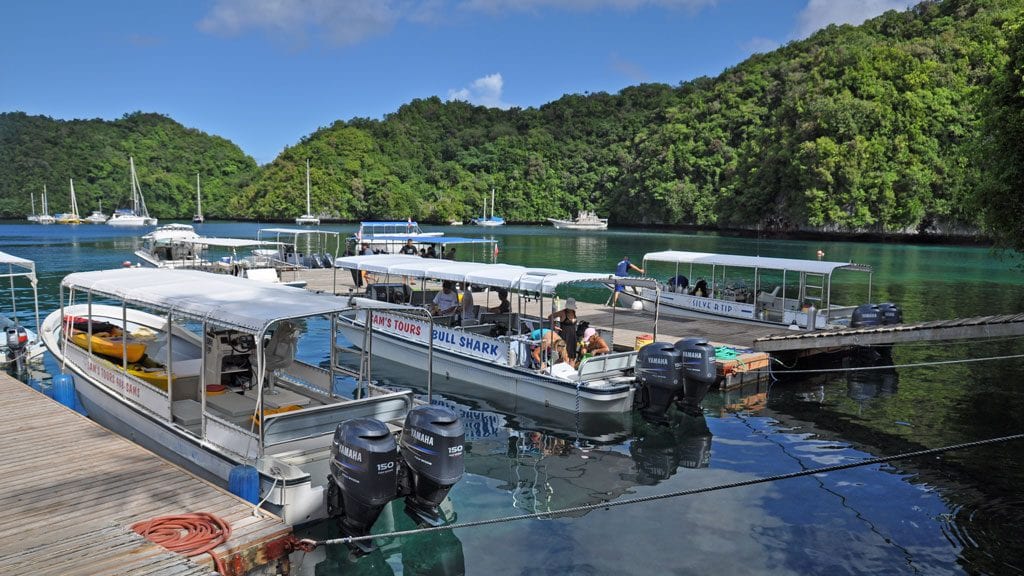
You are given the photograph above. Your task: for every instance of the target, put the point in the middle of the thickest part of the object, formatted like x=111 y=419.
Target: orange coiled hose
x=188 y=534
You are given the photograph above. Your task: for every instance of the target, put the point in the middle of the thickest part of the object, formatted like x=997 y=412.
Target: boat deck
x=747 y=366
x=72 y=490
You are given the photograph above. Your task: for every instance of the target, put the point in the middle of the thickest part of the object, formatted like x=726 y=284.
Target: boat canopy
x=25 y=267
x=297 y=231
x=440 y=240
x=789 y=264
x=228 y=300
x=541 y=280
x=228 y=242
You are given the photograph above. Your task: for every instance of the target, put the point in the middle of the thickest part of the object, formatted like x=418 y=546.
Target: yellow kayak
x=108 y=345
x=150 y=371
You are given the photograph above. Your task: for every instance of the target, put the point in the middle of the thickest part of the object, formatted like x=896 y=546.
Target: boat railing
x=607 y=366
x=322 y=420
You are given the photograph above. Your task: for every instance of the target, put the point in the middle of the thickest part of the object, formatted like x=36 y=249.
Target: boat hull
x=570 y=225
x=535 y=387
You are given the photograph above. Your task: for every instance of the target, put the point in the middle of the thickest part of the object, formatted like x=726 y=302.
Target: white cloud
x=484 y=91
x=341 y=22
x=527 y=5
x=759 y=45
x=820 y=13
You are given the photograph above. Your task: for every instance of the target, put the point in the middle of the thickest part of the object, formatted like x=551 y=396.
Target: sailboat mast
x=74 y=201
x=33 y=195
x=46 y=206
x=309 y=207
x=135 y=193
x=199 y=198
x=492 y=203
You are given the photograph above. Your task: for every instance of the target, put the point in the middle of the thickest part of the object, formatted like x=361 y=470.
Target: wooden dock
x=748 y=365
x=72 y=489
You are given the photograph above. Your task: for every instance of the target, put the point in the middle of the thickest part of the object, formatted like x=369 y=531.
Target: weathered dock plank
x=72 y=490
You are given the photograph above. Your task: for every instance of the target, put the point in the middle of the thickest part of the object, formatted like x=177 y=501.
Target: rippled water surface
x=957 y=513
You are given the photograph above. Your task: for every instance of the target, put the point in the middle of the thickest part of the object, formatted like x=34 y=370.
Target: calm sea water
x=956 y=513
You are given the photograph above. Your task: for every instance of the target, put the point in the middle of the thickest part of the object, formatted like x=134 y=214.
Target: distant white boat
x=491 y=220
x=585 y=220
x=97 y=216
x=198 y=218
x=70 y=217
x=168 y=247
x=308 y=218
x=45 y=217
x=137 y=215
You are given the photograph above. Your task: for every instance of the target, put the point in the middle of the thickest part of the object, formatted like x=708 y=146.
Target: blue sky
x=265 y=73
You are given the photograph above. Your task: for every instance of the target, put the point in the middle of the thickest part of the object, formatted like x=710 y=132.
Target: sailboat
x=137 y=215
x=33 y=217
x=308 y=217
x=70 y=217
x=45 y=217
x=97 y=216
x=491 y=220
x=198 y=218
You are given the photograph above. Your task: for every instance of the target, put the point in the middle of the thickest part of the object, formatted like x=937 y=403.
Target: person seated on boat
x=700 y=288
x=549 y=341
x=593 y=345
x=678 y=283
x=431 y=252
x=450 y=255
x=504 y=305
x=423 y=252
x=566 y=325
x=365 y=250
x=447 y=300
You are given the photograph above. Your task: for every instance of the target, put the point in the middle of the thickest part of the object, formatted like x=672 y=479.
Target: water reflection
x=660 y=450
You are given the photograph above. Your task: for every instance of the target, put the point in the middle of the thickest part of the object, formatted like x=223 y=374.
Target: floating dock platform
x=72 y=490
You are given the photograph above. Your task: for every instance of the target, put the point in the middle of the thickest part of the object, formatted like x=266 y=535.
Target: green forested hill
x=858 y=128
x=36 y=150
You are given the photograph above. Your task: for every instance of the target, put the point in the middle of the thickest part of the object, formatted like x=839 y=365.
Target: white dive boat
x=221 y=392
x=585 y=220
x=97 y=216
x=298 y=248
x=26 y=343
x=198 y=218
x=70 y=217
x=45 y=217
x=221 y=255
x=491 y=220
x=494 y=350
x=308 y=219
x=170 y=246
x=137 y=215
x=751 y=289
x=388 y=236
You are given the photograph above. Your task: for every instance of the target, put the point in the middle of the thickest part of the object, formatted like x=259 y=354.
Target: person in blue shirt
x=549 y=341
x=622 y=269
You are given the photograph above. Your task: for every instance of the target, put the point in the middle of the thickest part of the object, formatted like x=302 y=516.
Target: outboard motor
x=431 y=448
x=17 y=346
x=364 y=476
x=698 y=358
x=865 y=315
x=890 y=313
x=659 y=370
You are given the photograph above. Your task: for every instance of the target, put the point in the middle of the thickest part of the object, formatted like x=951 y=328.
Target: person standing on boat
x=409 y=250
x=566 y=326
x=622 y=270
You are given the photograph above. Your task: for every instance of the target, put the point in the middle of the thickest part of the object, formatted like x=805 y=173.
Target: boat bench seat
x=482 y=329
x=607 y=366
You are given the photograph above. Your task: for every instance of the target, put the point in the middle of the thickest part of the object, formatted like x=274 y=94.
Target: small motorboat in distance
x=585 y=220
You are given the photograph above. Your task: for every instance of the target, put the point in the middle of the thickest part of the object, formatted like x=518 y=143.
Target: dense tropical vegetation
x=858 y=128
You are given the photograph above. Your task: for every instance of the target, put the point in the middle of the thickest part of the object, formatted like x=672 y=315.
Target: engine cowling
x=660 y=377
x=698 y=358
x=364 y=475
x=432 y=444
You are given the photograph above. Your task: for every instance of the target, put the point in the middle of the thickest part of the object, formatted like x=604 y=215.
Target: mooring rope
x=309 y=543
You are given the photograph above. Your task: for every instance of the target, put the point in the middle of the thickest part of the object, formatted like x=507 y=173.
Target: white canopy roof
x=233 y=302
x=295 y=231
x=788 y=264
x=11 y=266
x=543 y=280
x=228 y=242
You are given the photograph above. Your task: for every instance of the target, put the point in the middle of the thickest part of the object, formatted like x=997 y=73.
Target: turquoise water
x=956 y=513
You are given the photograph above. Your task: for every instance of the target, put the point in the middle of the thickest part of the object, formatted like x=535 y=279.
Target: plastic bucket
x=643 y=340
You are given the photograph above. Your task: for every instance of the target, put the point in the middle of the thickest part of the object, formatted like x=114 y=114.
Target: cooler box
x=643 y=340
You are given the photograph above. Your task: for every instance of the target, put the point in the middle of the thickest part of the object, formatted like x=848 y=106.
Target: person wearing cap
x=592 y=345
x=622 y=270
x=566 y=325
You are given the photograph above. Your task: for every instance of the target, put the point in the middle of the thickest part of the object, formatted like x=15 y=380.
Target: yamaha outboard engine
x=17 y=346
x=431 y=447
x=865 y=315
x=700 y=372
x=660 y=376
x=364 y=476
x=890 y=313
